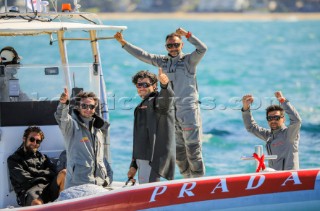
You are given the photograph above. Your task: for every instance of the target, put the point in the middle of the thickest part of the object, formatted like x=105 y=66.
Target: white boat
x=29 y=96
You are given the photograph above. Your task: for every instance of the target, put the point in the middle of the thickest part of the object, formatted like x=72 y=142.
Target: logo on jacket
x=278 y=144
x=84 y=139
x=143 y=107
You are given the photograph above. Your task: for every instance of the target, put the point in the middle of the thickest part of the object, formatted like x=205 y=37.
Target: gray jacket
x=157 y=144
x=283 y=142
x=181 y=71
x=84 y=149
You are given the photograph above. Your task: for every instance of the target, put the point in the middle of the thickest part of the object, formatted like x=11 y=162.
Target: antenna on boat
x=76 y=5
x=55 y=5
x=75 y=90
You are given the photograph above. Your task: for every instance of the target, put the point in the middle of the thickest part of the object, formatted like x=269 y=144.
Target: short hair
x=85 y=95
x=145 y=74
x=173 y=35
x=274 y=108
x=34 y=129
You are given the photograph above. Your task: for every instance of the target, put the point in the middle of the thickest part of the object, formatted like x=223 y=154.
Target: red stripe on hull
x=193 y=190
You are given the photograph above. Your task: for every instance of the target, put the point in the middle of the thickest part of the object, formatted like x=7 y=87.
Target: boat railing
x=43 y=10
x=259 y=158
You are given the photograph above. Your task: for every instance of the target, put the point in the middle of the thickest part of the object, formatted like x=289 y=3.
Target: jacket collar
x=22 y=153
x=148 y=98
x=76 y=115
x=178 y=57
x=278 y=130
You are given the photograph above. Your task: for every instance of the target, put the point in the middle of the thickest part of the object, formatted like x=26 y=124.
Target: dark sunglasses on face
x=32 y=139
x=143 y=84
x=170 y=45
x=277 y=118
x=86 y=106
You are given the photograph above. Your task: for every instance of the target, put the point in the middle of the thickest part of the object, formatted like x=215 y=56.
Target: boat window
x=46 y=82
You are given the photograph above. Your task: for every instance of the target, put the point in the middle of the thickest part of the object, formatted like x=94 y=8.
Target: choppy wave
x=312 y=130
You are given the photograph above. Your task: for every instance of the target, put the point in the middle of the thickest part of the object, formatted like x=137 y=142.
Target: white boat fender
x=268 y=169
x=80 y=191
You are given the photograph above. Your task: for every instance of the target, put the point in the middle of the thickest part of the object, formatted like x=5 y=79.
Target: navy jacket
x=29 y=169
x=160 y=148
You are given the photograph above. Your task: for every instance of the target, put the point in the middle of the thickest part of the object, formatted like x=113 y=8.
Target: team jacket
x=181 y=71
x=283 y=142
x=158 y=143
x=29 y=169
x=84 y=147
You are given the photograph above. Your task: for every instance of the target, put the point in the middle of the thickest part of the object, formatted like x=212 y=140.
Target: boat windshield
x=46 y=82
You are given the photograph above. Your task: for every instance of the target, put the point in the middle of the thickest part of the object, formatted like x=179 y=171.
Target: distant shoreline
x=211 y=16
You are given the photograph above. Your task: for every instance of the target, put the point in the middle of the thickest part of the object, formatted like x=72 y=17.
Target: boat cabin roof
x=13 y=26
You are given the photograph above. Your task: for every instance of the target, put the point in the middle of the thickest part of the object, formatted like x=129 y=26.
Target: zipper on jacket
x=269 y=148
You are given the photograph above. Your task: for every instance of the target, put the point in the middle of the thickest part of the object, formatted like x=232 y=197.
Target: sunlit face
x=87 y=107
x=174 y=50
x=32 y=142
x=276 y=124
x=144 y=91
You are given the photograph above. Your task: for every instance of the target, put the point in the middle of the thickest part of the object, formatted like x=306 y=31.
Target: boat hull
x=286 y=190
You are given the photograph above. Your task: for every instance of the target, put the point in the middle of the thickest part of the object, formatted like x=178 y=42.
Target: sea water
x=256 y=57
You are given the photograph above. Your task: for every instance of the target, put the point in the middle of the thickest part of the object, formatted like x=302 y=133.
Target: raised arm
x=249 y=123
x=165 y=98
x=200 y=50
x=119 y=37
x=139 y=53
x=295 y=119
x=62 y=114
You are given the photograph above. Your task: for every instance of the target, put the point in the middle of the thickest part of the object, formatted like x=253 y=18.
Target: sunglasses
x=171 y=45
x=32 y=139
x=86 y=106
x=143 y=84
x=277 y=118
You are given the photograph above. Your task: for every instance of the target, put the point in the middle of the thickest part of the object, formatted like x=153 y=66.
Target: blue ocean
x=256 y=57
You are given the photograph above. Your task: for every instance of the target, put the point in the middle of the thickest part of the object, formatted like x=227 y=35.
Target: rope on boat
x=261 y=165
